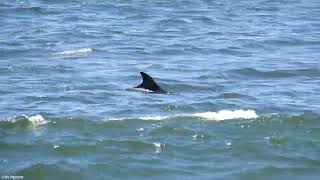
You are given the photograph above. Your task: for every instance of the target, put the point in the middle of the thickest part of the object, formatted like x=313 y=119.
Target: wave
x=33 y=121
x=38 y=120
x=77 y=52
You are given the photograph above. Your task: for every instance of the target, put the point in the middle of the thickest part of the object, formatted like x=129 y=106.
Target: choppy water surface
x=243 y=80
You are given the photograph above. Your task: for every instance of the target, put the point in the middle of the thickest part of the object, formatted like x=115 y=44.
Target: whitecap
x=157 y=117
x=210 y=115
x=228 y=114
x=217 y=116
x=158 y=147
x=37 y=120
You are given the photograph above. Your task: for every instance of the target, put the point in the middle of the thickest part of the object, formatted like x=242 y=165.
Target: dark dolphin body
x=149 y=84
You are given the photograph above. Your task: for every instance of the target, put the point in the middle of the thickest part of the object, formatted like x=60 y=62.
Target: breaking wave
x=215 y=116
x=33 y=121
x=37 y=120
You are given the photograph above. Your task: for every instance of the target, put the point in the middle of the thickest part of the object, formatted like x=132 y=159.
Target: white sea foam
x=37 y=120
x=77 y=52
x=216 y=116
x=227 y=114
x=157 y=117
x=158 y=147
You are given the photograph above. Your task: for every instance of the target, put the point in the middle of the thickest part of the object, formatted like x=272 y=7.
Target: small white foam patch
x=77 y=52
x=158 y=147
x=227 y=114
x=37 y=120
x=216 y=116
x=157 y=117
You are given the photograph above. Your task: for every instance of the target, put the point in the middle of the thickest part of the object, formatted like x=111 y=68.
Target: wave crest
x=216 y=116
x=227 y=114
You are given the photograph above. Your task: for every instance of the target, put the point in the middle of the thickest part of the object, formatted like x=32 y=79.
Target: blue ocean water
x=243 y=80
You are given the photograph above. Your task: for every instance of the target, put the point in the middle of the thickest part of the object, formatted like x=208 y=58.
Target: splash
x=37 y=120
x=158 y=146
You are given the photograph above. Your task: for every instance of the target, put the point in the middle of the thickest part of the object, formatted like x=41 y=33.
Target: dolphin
x=149 y=84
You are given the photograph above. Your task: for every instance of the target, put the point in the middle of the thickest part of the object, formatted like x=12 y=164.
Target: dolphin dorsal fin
x=149 y=83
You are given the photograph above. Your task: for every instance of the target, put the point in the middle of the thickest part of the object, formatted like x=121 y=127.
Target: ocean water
x=243 y=79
